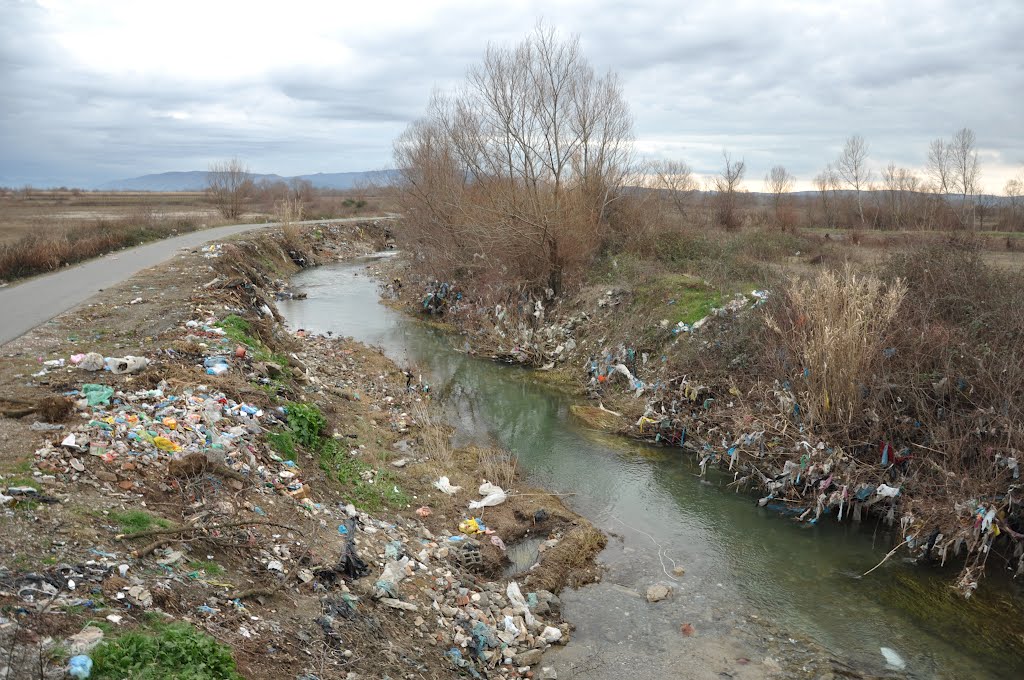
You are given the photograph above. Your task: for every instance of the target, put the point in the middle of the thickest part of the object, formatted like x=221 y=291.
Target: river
x=739 y=560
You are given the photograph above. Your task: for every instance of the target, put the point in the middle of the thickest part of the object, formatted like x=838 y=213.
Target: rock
x=105 y=476
x=548 y=673
x=678 y=571
x=400 y=463
x=530 y=657
x=84 y=641
x=658 y=592
x=551 y=635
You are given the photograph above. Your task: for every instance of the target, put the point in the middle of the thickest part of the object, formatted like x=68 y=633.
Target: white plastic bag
x=886 y=491
x=127 y=364
x=446 y=486
x=510 y=626
x=515 y=596
x=493 y=495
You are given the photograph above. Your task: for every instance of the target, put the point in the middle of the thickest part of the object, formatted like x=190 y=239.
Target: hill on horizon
x=195 y=180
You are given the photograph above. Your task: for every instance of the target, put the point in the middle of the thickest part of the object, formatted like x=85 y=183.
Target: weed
x=132 y=521
x=306 y=423
x=174 y=651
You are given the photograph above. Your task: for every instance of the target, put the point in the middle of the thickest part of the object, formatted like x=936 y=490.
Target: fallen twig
x=891 y=553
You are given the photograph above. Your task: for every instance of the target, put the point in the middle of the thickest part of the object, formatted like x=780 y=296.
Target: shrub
x=169 y=652
x=833 y=329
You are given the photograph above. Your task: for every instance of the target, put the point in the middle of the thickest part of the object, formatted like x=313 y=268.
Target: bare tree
x=852 y=167
x=827 y=183
x=1014 y=189
x=778 y=182
x=900 y=186
x=676 y=180
x=229 y=186
x=963 y=156
x=727 y=184
x=520 y=165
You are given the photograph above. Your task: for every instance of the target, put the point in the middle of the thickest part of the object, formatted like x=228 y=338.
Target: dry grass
x=436 y=436
x=571 y=563
x=833 y=328
x=498 y=467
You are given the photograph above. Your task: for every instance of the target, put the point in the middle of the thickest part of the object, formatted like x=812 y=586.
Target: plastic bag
x=394 y=573
x=127 y=364
x=510 y=626
x=493 y=495
x=93 y=361
x=886 y=491
x=96 y=395
x=445 y=485
x=515 y=596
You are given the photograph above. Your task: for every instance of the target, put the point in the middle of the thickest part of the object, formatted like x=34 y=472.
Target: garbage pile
x=130 y=438
x=485 y=628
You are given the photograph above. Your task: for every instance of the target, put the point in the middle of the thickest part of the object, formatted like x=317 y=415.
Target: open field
x=43 y=230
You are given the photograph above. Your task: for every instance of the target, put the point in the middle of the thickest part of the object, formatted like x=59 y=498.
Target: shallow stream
x=739 y=559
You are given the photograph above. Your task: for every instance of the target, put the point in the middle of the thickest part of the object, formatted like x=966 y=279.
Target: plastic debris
x=80 y=666
x=127 y=364
x=493 y=495
x=96 y=395
x=886 y=491
x=893 y=659
x=93 y=361
x=445 y=485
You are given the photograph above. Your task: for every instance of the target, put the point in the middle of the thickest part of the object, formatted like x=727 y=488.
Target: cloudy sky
x=100 y=90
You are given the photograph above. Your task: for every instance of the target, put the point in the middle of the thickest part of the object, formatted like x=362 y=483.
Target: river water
x=740 y=560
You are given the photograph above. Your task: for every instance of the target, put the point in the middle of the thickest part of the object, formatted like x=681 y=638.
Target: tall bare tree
x=727 y=185
x=1014 y=189
x=852 y=166
x=963 y=154
x=229 y=185
x=827 y=184
x=676 y=180
x=779 y=182
x=517 y=169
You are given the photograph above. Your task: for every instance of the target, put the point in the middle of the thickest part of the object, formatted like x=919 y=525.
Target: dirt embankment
x=273 y=491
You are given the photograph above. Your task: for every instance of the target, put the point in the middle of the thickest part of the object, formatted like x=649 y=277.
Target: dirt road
x=25 y=305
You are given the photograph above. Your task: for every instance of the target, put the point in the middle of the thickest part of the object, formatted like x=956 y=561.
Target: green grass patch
x=283 y=444
x=211 y=568
x=681 y=297
x=347 y=470
x=20 y=481
x=132 y=521
x=175 y=651
x=240 y=330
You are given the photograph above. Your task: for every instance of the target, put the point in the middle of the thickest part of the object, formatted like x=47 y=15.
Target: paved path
x=23 y=306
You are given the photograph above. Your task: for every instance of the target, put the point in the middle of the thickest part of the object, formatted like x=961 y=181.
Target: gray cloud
x=774 y=83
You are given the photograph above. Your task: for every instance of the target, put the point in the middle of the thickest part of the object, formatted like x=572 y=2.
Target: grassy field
x=43 y=230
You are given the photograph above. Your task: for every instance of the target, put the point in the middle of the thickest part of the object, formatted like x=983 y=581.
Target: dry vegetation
x=891 y=350
x=44 y=230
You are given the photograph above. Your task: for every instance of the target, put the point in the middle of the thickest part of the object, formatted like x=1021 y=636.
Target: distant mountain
x=195 y=180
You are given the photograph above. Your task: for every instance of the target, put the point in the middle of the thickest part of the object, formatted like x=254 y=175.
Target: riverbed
x=743 y=564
